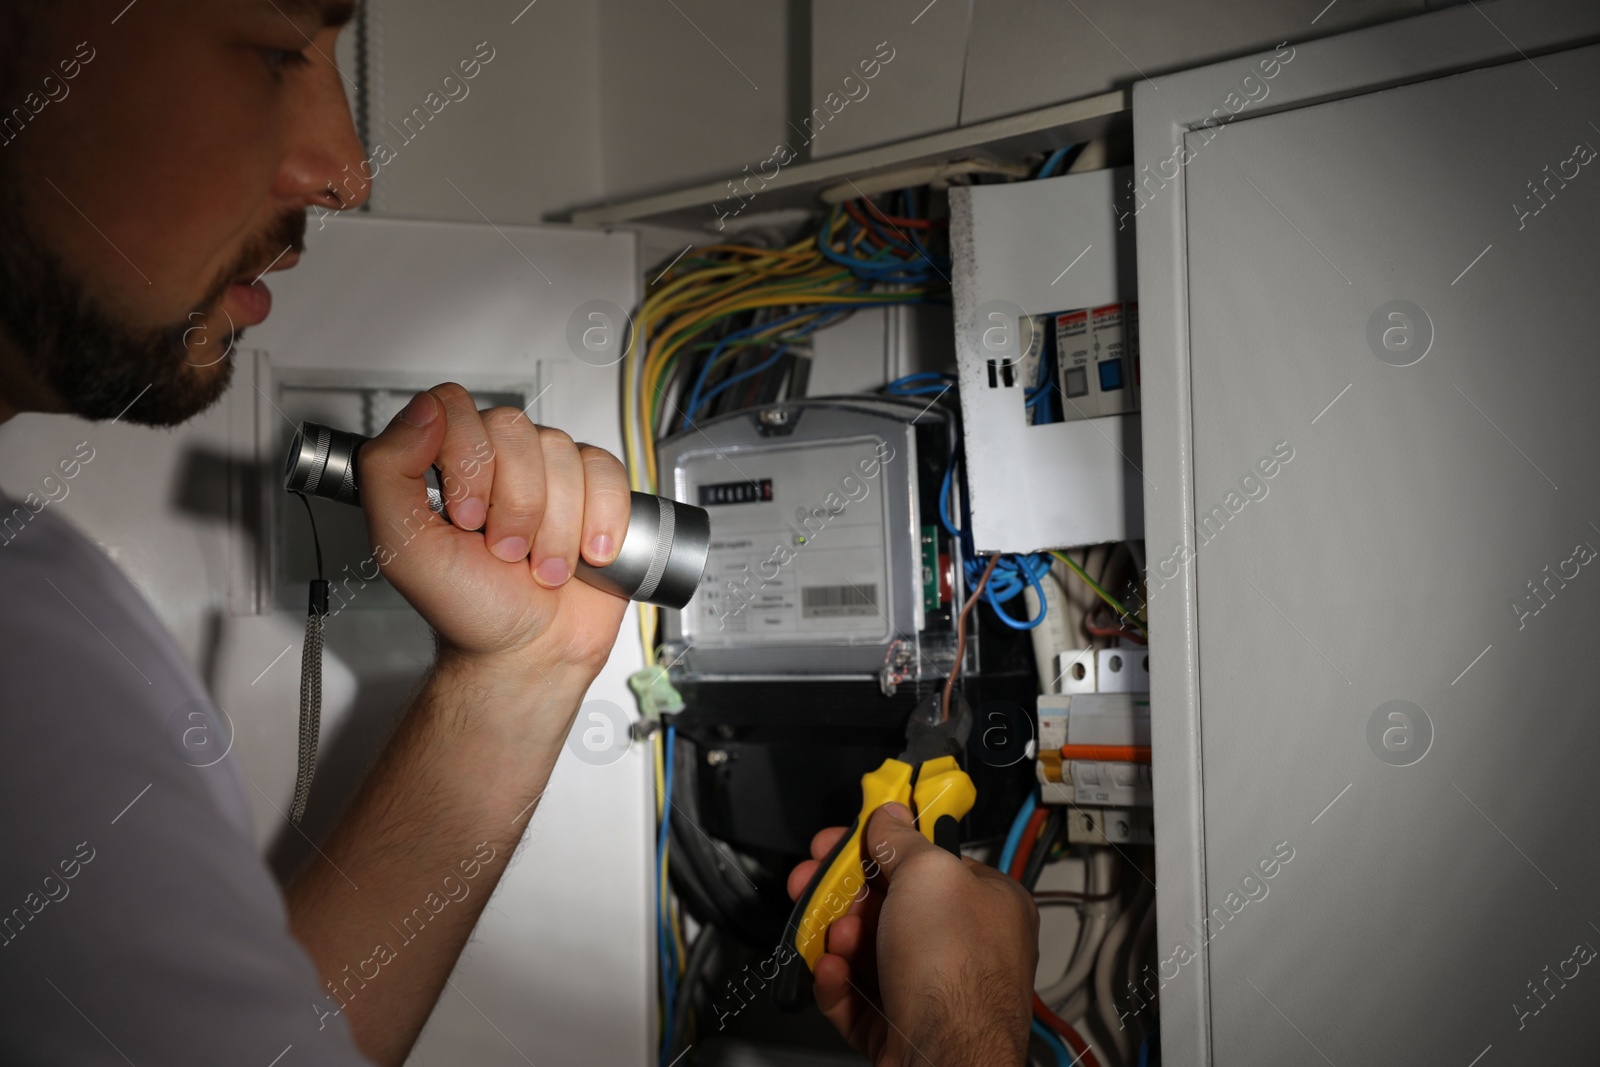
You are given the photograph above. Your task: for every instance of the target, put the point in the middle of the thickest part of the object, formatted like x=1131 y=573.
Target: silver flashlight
x=660 y=562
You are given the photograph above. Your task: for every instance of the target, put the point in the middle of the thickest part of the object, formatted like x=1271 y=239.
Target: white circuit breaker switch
x=1093 y=719
x=1122 y=670
x=1054 y=792
x=1055 y=777
x=1053 y=711
x=1111 y=381
x=1123 y=785
x=1075 y=362
x=1108 y=719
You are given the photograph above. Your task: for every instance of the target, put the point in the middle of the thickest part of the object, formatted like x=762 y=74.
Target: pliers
x=925 y=778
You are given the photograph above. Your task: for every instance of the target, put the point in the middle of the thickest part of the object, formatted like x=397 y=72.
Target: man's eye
x=279 y=60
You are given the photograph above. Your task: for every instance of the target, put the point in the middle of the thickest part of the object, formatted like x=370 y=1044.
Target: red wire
x=897 y=220
x=1080 y=1048
x=868 y=224
x=1030 y=837
x=1114 y=631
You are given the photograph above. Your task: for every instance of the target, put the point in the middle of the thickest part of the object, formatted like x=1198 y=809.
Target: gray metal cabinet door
x=1394 y=525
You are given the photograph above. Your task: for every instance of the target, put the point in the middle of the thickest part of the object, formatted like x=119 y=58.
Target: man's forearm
x=387 y=908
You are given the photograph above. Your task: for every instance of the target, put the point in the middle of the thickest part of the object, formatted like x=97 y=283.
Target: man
x=155 y=159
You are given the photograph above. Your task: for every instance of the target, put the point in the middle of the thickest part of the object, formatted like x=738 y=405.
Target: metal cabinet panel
x=1349 y=288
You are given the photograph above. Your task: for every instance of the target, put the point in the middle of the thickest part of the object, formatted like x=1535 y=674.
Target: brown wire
x=961 y=637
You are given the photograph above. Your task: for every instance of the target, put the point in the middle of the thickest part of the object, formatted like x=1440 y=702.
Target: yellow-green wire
x=1115 y=604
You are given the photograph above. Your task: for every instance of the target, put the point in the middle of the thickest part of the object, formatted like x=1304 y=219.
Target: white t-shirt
x=138 y=923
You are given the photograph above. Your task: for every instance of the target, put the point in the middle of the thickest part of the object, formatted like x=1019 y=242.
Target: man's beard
x=102 y=368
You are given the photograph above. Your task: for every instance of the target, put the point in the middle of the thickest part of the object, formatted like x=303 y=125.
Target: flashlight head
x=322 y=462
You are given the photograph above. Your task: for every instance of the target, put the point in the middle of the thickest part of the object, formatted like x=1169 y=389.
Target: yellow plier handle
x=941 y=799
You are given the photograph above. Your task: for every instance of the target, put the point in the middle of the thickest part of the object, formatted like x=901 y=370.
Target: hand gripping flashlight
x=660 y=562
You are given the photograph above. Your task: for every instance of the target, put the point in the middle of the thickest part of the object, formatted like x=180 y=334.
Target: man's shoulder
x=132 y=890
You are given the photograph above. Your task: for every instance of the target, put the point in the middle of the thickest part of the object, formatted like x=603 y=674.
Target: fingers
x=534 y=493
x=837 y=1000
x=821 y=845
x=825 y=840
x=555 y=548
x=606 y=506
x=518 y=492
x=466 y=458
x=801 y=877
x=392 y=465
x=894 y=840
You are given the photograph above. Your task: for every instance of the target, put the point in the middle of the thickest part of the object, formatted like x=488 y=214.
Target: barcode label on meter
x=838 y=601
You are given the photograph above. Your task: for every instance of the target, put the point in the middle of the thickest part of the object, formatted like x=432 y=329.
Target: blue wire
x=1028 y=566
x=722 y=386
x=1014 y=837
x=1144 y=1052
x=705 y=368
x=833 y=313
x=1058 y=1048
x=1013 y=574
x=944 y=500
x=669 y=961
x=922 y=383
x=919 y=377
x=1053 y=161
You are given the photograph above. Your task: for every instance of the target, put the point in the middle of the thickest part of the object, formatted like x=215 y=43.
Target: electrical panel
x=1019 y=289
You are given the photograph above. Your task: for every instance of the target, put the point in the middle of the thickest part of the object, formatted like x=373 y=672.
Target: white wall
x=958 y=62
x=582 y=101
x=689 y=90
x=526 y=139
x=590 y=101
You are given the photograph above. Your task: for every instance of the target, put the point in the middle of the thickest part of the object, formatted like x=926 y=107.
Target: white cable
x=1140 y=998
x=1105 y=971
x=1076 y=1007
x=1096 y=918
x=1055 y=633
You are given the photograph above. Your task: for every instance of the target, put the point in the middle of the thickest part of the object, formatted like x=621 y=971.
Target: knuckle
x=519 y=512
x=550 y=436
x=608 y=499
x=504 y=418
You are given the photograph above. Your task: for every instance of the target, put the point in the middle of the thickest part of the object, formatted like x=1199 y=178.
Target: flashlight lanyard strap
x=310 y=680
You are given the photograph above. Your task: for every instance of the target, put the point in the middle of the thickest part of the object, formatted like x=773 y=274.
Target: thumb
x=391 y=466
x=893 y=838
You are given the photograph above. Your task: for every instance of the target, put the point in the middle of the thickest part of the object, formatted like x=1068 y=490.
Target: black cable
x=799 y=375
x=716 y=889
x=1053 y=825
x=702 y=957
x=315 y=540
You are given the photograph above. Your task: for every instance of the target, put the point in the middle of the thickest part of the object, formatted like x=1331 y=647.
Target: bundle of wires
x=1023 y=857
x=669 y=931
x=1140 y=631
x=727 y=326
x=1014 y=573
x=726 y=315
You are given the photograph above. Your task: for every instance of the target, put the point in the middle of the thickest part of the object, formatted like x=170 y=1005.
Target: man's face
x=147 y=194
